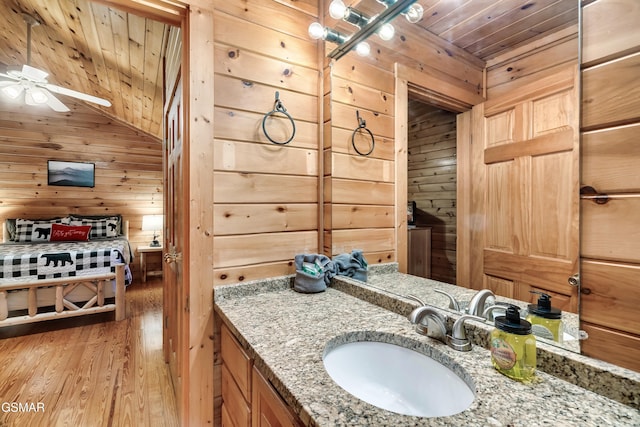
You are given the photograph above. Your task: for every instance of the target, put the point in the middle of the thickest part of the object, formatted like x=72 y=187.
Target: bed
x=63 y=267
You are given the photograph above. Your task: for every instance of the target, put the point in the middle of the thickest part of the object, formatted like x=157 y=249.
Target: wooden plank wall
x=432 y=182
x=610 y=182
x=128 y=166
x=359 y=191
x=265 y=195
x=532 y=61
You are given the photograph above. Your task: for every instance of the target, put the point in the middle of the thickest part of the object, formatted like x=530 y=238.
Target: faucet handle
x=453 y=303
x=458 y=339
x=415 y=298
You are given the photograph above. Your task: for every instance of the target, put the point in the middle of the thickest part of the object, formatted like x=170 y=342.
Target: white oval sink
x=397 y=379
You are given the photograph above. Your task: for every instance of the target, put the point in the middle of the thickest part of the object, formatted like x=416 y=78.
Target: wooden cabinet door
x=268 y=409
x=525 y=191
x=419 y=257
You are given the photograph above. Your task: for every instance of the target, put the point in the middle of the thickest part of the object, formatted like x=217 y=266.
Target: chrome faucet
x=453 y=303
x=483 y=298
x=489 y=313
x=458 y=339
x=429 y=322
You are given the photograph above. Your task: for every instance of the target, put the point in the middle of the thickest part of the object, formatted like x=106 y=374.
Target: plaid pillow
x=36 y=230
x=118 y=217
x=107 y=227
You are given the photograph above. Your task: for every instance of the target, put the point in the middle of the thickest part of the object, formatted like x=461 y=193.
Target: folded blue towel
x=313 y=272
x=351 y=265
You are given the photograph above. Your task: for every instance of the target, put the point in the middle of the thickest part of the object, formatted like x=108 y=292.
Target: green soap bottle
x=513 y=346
x=546 y=320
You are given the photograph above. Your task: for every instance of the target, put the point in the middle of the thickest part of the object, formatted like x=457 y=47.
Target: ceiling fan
x=32 y=82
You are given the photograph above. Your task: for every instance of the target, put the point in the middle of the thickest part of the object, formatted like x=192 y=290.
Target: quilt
x=63 y=259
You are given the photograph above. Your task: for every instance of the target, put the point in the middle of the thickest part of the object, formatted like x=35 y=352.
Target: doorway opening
x=432 y=186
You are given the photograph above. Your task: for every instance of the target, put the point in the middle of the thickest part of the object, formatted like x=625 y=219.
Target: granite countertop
x=286 y=333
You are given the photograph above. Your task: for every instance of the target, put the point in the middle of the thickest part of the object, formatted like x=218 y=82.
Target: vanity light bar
x=371 y=28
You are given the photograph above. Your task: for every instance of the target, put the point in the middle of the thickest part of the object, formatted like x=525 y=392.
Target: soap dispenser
x=513 y=346
x=546 y=320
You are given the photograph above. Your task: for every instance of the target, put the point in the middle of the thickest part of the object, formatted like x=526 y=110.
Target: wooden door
x=525 y=191
x=174 y=332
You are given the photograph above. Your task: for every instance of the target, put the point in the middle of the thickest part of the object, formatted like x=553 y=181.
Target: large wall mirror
x=496 y=182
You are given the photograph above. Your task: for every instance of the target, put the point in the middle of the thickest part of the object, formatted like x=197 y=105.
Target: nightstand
x=143 y=251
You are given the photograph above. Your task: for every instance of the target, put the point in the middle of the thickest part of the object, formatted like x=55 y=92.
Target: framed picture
x=71 y=174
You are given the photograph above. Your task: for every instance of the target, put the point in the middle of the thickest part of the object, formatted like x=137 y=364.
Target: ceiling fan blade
x=34 y=74
x=7 y=83
x=9 y=77
x=55 y=103
x=76 y=94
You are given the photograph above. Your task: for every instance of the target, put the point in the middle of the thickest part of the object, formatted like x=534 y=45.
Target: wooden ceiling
x=483 y=28
x=488 y=28
x=97 y=49
x=91 y=48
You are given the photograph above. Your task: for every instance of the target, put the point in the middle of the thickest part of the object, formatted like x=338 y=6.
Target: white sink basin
x=397 y=379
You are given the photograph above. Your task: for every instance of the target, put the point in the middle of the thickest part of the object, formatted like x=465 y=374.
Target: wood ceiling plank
x=529 y=34
x=88 y=60
x=120 y=37
x=137 y=34
x=513 y=22
x=152 y=68
x=468 y=15
x=101 y=17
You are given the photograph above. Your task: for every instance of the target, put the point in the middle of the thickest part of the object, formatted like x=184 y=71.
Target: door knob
x=574 y=280
x=170 y=257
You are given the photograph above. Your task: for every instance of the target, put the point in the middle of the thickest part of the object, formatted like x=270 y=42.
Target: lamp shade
x=152 y=222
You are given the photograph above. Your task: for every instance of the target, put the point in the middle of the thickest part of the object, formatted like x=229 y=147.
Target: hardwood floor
x=89 y=371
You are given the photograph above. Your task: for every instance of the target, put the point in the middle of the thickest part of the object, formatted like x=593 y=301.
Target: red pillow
x=69 y=233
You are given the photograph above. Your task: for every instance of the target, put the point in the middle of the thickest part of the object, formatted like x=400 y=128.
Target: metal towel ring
x=362 y=124
x=278 y=108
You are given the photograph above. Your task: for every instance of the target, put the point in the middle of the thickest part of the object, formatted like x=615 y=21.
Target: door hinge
x=187 y=308
x=166 y=322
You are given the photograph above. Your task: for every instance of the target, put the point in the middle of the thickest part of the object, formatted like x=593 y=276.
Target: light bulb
x=386 y=32
x=363 y=49
x=12 y=91
x=38 y=96
x=316 y=31
x=414 y=13
x=337 y=9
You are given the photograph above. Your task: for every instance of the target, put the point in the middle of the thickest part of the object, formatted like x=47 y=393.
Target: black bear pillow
x=28 y=230
x=105 y=227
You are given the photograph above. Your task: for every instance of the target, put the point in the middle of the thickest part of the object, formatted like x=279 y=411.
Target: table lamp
x=152 y=223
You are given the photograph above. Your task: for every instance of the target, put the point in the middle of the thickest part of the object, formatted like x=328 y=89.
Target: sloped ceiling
x=91 y=48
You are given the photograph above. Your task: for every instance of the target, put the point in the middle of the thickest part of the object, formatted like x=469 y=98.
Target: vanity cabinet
x=269 y=410
x=236 y=382
x=419 y=252
x=248 y=400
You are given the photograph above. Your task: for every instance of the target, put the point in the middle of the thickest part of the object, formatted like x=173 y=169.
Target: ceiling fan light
x=38 y=96
x=13 y=91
